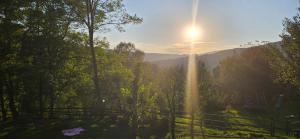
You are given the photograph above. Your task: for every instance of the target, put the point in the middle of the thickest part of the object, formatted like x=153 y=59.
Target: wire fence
x=211 y=125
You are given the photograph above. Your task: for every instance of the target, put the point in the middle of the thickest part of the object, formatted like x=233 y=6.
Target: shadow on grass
x=94 y=129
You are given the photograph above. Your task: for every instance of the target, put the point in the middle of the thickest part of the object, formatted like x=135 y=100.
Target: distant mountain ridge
x=211 y=59
x=154 y=57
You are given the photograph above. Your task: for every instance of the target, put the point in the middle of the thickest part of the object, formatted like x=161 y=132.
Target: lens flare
x=191 y=90
x=191 y=86
x=193 y=33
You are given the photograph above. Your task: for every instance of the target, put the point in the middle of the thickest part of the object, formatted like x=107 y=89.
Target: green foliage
x=248 y=79
x=101 y=14
x=46 y=64
x=291 y=47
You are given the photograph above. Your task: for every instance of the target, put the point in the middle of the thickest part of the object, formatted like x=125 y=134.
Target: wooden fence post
x=202 y=131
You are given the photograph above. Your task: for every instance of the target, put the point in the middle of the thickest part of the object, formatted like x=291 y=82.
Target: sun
x=192 y=33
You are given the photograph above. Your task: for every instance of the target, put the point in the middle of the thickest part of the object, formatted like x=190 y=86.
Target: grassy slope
x=105 y=128
x=53 y=129
x=259 y=122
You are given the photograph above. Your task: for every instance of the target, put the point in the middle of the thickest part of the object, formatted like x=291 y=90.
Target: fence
x=225 y=126
x=211 y=125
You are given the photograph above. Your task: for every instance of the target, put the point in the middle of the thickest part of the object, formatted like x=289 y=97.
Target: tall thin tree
x=100 y=15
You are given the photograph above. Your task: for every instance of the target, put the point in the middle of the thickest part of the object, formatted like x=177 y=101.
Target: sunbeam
x=191 y=101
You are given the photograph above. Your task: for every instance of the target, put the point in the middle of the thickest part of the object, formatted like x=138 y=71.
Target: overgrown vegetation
x=47 y=63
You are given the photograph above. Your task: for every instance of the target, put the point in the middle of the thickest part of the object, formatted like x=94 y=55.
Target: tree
x=44 y=51
x=99 y=15
x=247 y=79
x=291 y=47
x=205 y=86
x=132 y=59
x=172 y=84
x=11 y=31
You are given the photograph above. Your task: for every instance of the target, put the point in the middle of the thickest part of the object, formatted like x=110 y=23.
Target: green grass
x=94 y=129
x=257 y=121
x=108 y=128
x=53 y=129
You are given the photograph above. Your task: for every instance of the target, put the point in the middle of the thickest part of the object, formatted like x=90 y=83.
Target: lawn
x=240 y=123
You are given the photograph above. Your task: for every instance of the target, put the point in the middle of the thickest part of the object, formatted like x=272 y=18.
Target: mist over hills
x=155 y=57
x=210 y=59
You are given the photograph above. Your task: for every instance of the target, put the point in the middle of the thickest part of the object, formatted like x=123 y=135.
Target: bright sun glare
x=193 y=33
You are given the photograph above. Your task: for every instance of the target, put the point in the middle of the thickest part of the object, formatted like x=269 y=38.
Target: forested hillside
x=53 y=68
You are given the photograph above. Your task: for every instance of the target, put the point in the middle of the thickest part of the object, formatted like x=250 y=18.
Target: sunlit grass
x=256 y=124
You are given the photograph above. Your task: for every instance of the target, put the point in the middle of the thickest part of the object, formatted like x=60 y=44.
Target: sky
x=224 y=24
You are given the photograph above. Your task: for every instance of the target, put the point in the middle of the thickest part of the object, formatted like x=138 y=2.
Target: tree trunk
x=173 y=124
x=172 y=114
x=94 y=63
x=52 y=99
x=192 y=125
x=135 y=87
x=3 y=110
x=41 y=97
x=90 y=25
x=11 y=99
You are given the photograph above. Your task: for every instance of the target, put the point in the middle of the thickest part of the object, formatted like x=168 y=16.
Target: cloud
x=194 y=43
x=150 y=48
x=199 y=47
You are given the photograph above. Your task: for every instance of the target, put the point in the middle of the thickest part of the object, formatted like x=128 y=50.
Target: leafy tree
x=206 y=87
x=248 y=79
x=44 y=50
x=132 y=59
x=172 y=84
x=99 y=15
x=11 y=31
x=291 y=47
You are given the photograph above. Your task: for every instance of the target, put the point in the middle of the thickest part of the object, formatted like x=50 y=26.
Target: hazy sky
x=224 y=23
